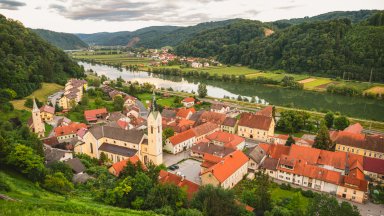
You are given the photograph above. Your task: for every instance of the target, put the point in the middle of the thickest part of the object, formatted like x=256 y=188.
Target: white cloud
x=119 y=15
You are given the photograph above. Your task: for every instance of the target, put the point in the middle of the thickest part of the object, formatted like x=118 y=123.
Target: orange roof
x=181 y=137
x=255 y=121
x=355 y=128
x=183 y=113
x=119 y=166
x=214 y=117
x=189 y=99
x=335 y=159
x=185 y=122
x=69 y=129
x=355 y=180
x=228 y=165
x=229 y=140
x=267 y=111
x=308 y=154
x=167 y=177
x=92 y=114
x=275 y=151
x=205 y=129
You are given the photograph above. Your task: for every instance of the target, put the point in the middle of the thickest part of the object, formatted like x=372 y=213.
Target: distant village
x=219 y=146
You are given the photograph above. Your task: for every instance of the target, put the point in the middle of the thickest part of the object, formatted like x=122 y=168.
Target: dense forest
x=62 y=40
x=335 y=48
x=212 y=42
x=26 y=60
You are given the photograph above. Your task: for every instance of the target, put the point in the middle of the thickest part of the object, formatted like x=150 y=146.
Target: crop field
x=277 y=76
x=375 y=90
x=115 y=59
x=318 y=83
x=41 y=94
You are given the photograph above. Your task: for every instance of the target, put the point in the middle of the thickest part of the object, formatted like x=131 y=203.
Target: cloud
x=287 y=7
x=11 y=5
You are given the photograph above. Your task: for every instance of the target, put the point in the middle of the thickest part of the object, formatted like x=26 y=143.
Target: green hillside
x=211 y=42
x=34 y=201
x=64 y=41
x=26 y=60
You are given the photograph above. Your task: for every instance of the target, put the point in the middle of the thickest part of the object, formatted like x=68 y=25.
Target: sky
x=89 y=16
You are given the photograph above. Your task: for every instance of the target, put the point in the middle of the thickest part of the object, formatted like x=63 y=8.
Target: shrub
x=4 y=186
x=285 y=186
x=307 y=193
x=57 y=183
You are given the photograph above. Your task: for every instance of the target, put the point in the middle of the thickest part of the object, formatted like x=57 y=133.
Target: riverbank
x=241 y=73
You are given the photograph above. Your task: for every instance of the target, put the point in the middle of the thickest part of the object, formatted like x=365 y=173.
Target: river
x=351 y=106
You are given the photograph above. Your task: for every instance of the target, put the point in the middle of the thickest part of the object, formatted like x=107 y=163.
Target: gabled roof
x=207 y=148
x=270 y=163
x=374 y=165
x=308 y=154
x=170 y=178
x=183 y=113
x=355 y=128
x=218 y=106
x=76 y=165
x=208 y=116
x=168 y=113
x=119 y=166
x=257 y=154
x=369 y=142
x=230 y=122
x=189 y=99
x=181 y=137
x=229 y=140
x=132 y=136
x=47 y=109
x=255 y=121
x=204 y=129
x=267 y=111
x=72 y=128
x=115 y=149
x=228 y=165
x=92 y=114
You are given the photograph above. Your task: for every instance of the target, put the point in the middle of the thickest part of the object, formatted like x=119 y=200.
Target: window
x=91 y=146
x=271 y=172
x=151 y=129
x=354 y=192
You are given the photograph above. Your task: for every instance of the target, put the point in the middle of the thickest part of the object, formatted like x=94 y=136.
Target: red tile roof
x=47 y=109
x=374 y=165
x=181 y=137
x=267 y=111
x=119 y=166
x=183 y=113
x=205 y=129
x=189 y=99
x=228 y=165
x=93 y=114
x=369 y=142
x=275 y=151
x=255 y=121
x=355 y=128
x=229 y=140
x=208 y=116
x=167 y=177
x=308 y=154
x=70 y=129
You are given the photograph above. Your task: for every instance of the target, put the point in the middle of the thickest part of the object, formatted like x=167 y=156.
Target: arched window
x=151 y=129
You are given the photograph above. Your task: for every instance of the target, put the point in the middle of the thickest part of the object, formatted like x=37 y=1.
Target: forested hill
x=124 y=38
x=354 y=16
x=64 y=41
x=211 y=42
x=334 y=48
x=26 y=60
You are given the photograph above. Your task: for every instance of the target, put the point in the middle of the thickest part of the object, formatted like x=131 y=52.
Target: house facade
x=188 y=102
x=47 y=113
x=256 y=127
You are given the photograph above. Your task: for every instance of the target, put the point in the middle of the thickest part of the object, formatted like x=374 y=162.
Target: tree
x=167 y=132
x=24 y=159
x=239 y=98
x=325 y=205
x=292 y=121
x=278 y=211
x=166 y=195
x=328 y=118
x=189 y=212
x=323 y=140
x=341 y=123
x=263 y=195
x=202 y=90
x=216 y=201
x=290 y=141
x=84 y=100
x=61 y=167
x=58 y=183
x=253 y=99
x=118 y=103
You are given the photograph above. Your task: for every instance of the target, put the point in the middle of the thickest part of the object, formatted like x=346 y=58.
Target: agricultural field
x=316 y=83
x=278 y=76
x=41 y=94
x=123 y=59
x=375 y=90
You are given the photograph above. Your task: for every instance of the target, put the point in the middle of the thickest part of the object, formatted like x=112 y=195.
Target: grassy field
x=166 y=102
x=115 y=59
x=316 y=83
x=375 y=90
x=34 y=201
x=41 y=94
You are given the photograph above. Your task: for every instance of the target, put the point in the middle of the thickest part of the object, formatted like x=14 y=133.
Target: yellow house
x=353 y=187
x=226 y=172
x=73 y=92
x=256 y=127
x=229 y=125
x=47 y=113
x=366 y=145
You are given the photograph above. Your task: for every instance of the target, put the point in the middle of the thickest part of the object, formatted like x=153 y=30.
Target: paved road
x=170 y=159
x=54 y=97
x=190 y=169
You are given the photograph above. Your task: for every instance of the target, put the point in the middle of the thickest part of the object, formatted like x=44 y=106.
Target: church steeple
x=35 y=107
x=153 y=105
x=37 y=124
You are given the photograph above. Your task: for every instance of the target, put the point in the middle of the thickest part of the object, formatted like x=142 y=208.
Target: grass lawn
x=298 y=134
x=36 y=201
x=41 y=94
x=48 y=129
x=277 y=76
x=317 y=82
x=279 y=194
x=163 y=101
